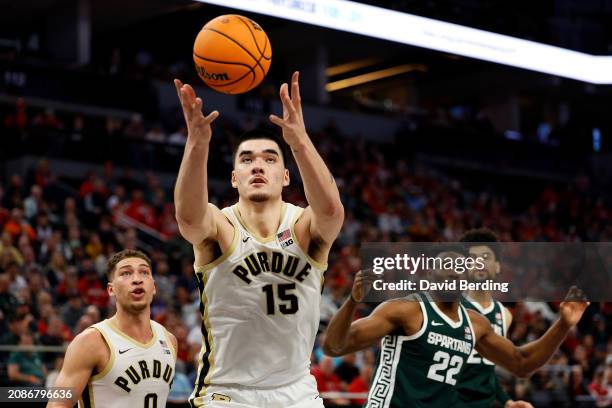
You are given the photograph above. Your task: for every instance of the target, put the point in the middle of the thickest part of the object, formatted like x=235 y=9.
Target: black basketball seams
x=252 y=33
x=230 y=90
x=265 y=48
x=240 y=45
x=222 y=62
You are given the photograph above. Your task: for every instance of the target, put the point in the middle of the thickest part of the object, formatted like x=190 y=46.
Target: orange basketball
x=232 y=54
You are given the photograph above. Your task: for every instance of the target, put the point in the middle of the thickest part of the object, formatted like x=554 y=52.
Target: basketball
x=232 y=54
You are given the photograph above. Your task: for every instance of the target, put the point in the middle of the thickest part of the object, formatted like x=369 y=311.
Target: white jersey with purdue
x=136 y=375
x=260 y=306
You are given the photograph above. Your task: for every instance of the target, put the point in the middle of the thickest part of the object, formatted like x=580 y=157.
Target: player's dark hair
x=482 y=236
x=121 y=255
x=260 y=133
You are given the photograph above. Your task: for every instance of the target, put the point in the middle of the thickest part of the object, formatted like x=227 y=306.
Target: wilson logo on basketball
x=221 y=76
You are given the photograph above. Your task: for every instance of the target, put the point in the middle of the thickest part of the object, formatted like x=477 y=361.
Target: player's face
x=491 y=266
x=259 y=172
x=132 y=285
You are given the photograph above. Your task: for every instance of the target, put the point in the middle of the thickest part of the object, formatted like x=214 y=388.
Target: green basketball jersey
x=478 y=385
x=422 y=370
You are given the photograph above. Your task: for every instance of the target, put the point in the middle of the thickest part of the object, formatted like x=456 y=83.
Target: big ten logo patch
x=284 y=238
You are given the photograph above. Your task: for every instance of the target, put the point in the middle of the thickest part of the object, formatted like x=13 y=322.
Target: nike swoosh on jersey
x=125 y=351
x=434 y=323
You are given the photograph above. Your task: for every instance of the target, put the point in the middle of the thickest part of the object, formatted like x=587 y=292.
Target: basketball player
x=426 y=343
x=478 y=386
x=259 y=263
x=128 y=359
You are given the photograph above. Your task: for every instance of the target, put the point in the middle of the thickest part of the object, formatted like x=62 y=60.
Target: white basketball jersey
x=260 y=308
x=136 y=375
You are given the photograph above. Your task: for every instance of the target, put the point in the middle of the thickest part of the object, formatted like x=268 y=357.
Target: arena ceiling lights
x=437 y=35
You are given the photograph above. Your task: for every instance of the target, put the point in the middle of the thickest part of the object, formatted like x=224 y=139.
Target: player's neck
x=261 y=218
x=137 y=326
x=450 y=309
x=483 y=297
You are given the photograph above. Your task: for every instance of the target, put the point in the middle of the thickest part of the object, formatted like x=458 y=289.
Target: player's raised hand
x=292 y=122
x=574 y=305
x=198 y=125
x=362 y=285
x=517 y=404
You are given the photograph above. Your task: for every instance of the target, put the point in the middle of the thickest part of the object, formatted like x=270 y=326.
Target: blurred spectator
x=55 y=271
x=32 y=203
x=599 y=390
x=360 y=384
x=178 y=138
x=347 y=371
x=135 y=128
x=17 y=282
x=56 y=333
x=84 y=322
x=42 y=174
x=93 y=312
x=8 y=252
x=43 y=227
x=76 y=134
x=48 y=120
x=16 y=327
x=90 y=287
x=72 y=311
x=118 y=198
x=94 y=247
x=155 y=135
x=26 y=367
x=17 y=225
x=18 y=119
x=326 y=379
x=8 y=301
x=57 y=367
x=577 y=385
x=140 y=210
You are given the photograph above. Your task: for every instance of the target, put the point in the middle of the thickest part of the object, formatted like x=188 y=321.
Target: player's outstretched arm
x=84 y=353
x=325 y=209
x=343 y=336
x=196 y=219
x=523 y=361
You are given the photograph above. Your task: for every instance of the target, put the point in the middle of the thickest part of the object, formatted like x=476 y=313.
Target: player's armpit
x=316 y=236
x=84 y=353
x=326 y=227
x=214 y=247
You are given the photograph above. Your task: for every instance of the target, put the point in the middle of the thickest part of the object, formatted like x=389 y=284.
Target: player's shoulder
x=88 y=346
x=401 y=307
x=89 y=336
x=507 y=315
x=480 y=323
x=167 y=333
x=173 y=340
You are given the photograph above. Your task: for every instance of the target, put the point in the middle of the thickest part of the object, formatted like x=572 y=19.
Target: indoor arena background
x=430 y=144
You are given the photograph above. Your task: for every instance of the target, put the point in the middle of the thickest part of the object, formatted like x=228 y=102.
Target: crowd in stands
x=57 y=232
